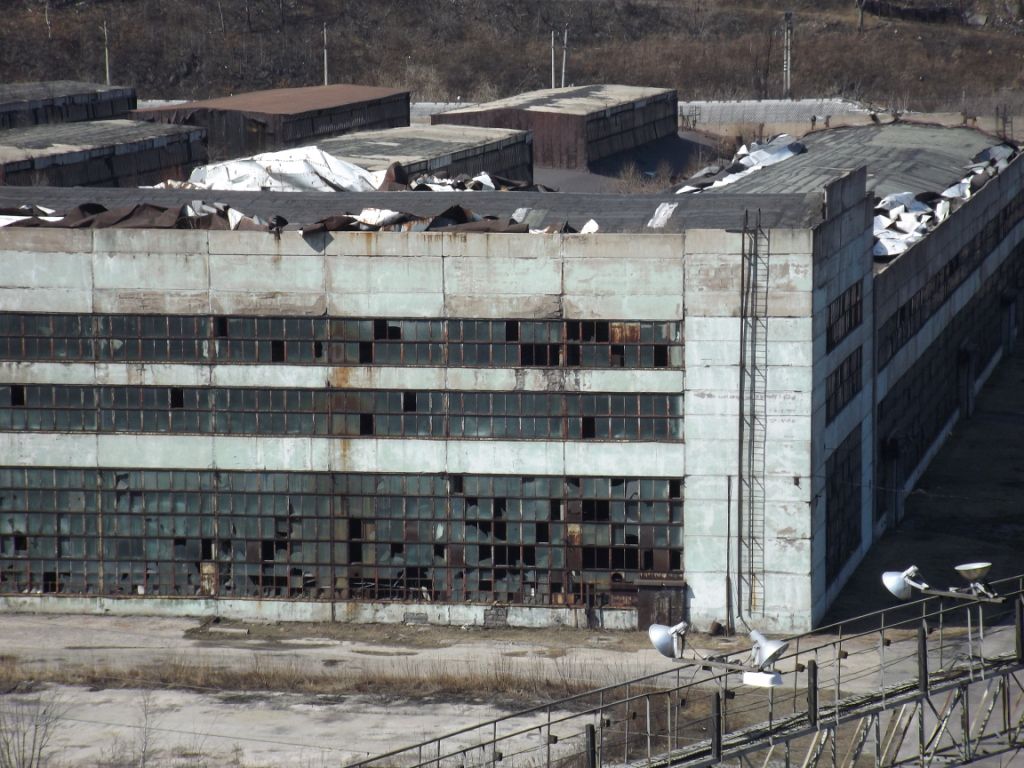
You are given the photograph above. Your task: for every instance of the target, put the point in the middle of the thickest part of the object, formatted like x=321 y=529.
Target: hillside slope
x=479 y=49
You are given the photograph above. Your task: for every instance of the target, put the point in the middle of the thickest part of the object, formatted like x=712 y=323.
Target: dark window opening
x=555 y=510
x=529 y=556
x=572 y=354
x=500 y=507
x=676 y=560
x=365 y=423
x=221 y=327
x=225 y=548
x=355 y=529
x=17 y=395
x=397 y=549
x=439 y=551
x=675 y=489
x=207 y=549
x=355 y=553
x=601 y=332
x=380 y=330
x=318 y=349
x=277 y=350
x=618 y=353
x=408 y=402
x=648 y=559
x=596 y=510
x=20 y=542
x=456 y=483
x=267 y=549
x=500 y=531
x=177 y=397
x=49 y=581
x=501 y=556
x=660 y=356
x=540 y=354
x=485 y=527
x=484 y=552
x=595 y=557
x=511 y=330
x=542 y=533
x=588 y=427
x=366 y=352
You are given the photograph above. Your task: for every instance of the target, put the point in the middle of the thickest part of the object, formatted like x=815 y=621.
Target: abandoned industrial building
x=712 y=405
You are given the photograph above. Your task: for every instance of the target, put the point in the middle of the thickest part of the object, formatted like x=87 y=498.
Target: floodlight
x=669 y=640
x=975 y=574
x=900 y=583
x=973 y=571
x=766 y=651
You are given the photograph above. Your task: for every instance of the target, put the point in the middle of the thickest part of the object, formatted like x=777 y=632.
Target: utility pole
x=325 y=53
x=565 y=50
x=552 y=58
x=787 y=57
x=106 y=51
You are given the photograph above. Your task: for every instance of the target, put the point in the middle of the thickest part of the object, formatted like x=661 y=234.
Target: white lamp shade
x=661 y=638
x=896 y=582
x=766 y=651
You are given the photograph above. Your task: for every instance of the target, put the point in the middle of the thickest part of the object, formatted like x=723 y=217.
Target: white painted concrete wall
x=711 y=424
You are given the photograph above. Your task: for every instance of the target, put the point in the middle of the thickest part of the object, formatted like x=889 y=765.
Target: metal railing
x=689 y=712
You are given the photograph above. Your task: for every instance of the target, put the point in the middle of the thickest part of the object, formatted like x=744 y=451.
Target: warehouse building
x=710 y=407
x=445 y=151
x=573 y=127
x=266 y=121
x=62 y=101
x=107 y=153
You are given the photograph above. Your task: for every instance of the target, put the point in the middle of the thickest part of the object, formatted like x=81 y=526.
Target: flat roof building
x=62 y=101
x=708 y=409
x=439 y=150
x=575 y=126
x=265 y=121
x=108 y=153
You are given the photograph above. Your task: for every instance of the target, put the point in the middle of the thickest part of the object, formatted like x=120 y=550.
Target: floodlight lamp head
x=766 y=651
x=668 y=641
x=902 y=583
x=973 y=571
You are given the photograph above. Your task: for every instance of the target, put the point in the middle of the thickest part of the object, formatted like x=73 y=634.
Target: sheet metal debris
x=199 y=214
x=903 y=218
x=454 y=219
x=746 y=162
x=661 y=215
x=310 y=169
x=194 y=215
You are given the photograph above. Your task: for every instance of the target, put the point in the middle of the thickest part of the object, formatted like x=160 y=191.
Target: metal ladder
x=752 y=412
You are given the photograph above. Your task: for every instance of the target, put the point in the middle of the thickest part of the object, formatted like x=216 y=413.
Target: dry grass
x=511 y=681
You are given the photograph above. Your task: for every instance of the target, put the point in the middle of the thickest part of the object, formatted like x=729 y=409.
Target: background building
x=709 y=407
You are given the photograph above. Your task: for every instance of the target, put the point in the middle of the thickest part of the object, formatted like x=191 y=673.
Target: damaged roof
x=900 y=157
x=576 y=100
x=288 y=101
x=613 y=213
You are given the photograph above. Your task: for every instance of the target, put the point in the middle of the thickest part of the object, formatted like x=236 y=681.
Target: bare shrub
x=27 y=728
